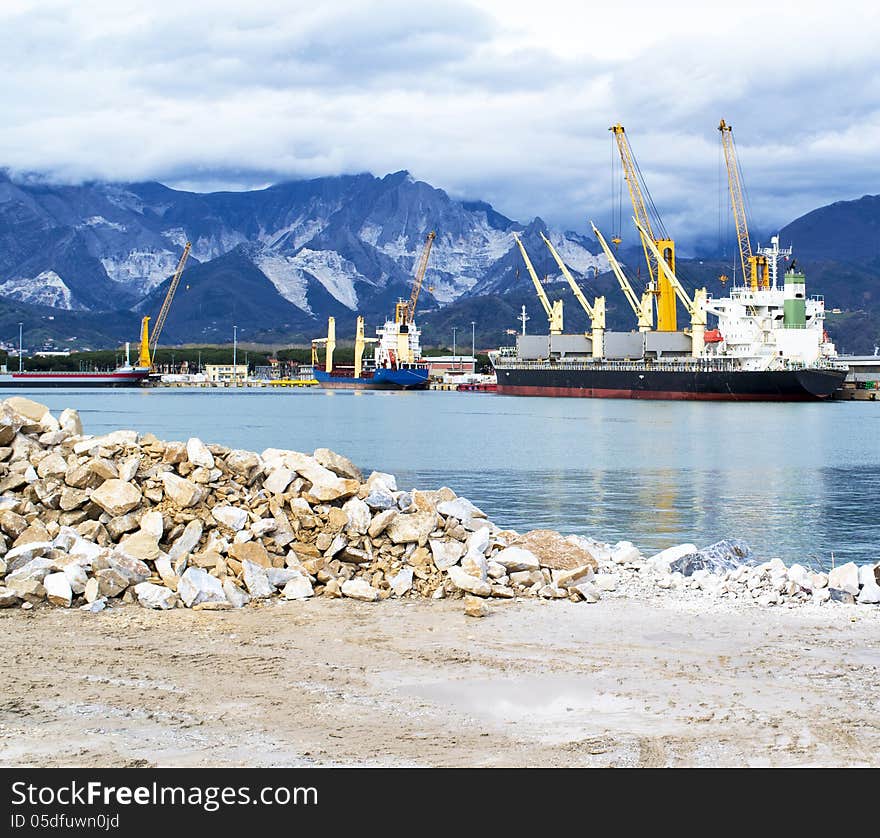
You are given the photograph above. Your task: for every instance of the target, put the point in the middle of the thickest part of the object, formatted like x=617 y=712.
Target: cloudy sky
x=509 y=101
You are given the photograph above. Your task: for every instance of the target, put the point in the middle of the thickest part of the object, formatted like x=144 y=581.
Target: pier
x=863 y=382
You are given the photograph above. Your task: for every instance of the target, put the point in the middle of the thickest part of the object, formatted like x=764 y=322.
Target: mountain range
x=275 y=262
x=80 y=264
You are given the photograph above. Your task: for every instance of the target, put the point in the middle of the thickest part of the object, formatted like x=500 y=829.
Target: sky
x=508 y=102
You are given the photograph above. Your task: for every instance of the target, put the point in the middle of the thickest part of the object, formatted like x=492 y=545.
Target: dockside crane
x=554 y=310
x=329 y=344
x=595 y=312
x=644 y=308
x=419 y=277
x=404 y=312
x=647 y=215
x=696 y=306
x=360 y=343
x=755 y=268
x=148 y=343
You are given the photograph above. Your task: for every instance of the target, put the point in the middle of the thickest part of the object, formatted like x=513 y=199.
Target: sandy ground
x=619 y=683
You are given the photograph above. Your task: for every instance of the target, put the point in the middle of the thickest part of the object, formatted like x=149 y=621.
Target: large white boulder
x=359 y=589
x=339 y=465
x=402 y=581
x=517 y=559
x=466 y=582
x=870 y=594
x=187 y=540
x=256 y=580
x=69 y=421
x=180 y=491
x=445 y=553
x=236 y=597
x=155 y=596
x=410 y=527
x=358 y=515
x=845 y=578
x=197 y=586
x=230 y=516
x=116 y=497
x=198 y=454
x=278 y=480
x=666 y=557
x=299 y=587
x=58 y=590
x=35 y=411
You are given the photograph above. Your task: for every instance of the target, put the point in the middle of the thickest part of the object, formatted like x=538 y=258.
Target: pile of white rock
x=89 y=520
x=86 y=520
x=624 y=570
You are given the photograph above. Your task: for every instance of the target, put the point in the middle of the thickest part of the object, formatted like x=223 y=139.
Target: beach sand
x=417 y=683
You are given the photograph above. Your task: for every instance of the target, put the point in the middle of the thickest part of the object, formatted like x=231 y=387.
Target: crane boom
x=643 y=310
x=554 y=311
x=595 y=312
x=752 y=265
x=420 y=276
x=572 y=284
x=166 y=303
x=666 y=318
x=696 y=307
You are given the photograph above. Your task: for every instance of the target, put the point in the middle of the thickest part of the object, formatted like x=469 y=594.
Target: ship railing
x=690 y=365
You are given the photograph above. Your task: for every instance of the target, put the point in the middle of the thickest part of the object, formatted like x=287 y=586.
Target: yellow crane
x=329 y=343
x=595 y=312
x=554 y=311
x=659 y=279
x=405 y=312
x=696 y=307
x=148 y=344
x=644 y=308
x=410 y=311
x=755 y=269
x=359 y=343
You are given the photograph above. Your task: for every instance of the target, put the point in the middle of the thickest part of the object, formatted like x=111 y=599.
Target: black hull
x=647 y=383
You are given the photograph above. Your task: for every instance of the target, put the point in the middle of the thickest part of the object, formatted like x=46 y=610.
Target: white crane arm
x=542 y=296
x=567 y=274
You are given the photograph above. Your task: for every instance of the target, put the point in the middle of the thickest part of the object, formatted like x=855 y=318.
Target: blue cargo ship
x=396 y=363
x=405 y=377
x=397 y=359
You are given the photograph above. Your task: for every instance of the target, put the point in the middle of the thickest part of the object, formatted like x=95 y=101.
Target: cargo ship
x=124 y=376
x=769 y=345
x=681 y=380
x=396 y=363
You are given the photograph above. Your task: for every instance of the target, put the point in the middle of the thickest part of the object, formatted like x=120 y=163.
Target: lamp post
x=473 y=344
x=234 y=355
x=20 y=325
x=454 y=329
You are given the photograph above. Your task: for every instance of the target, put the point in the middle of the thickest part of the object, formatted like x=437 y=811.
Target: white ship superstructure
x=398 y=341
x=769 y=327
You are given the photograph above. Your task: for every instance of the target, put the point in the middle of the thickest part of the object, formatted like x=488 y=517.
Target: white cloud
x=505 y=101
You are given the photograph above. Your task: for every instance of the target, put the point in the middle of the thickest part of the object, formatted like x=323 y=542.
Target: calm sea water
x=799 y=481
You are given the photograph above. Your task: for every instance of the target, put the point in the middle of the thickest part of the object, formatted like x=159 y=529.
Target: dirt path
x=619 y=683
